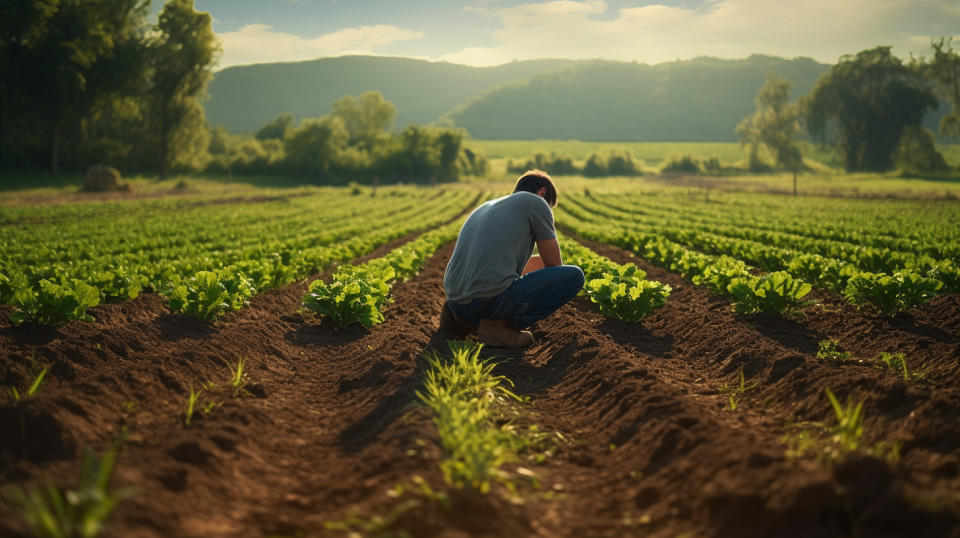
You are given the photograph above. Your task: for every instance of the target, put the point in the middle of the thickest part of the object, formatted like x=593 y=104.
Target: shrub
x=683 y=163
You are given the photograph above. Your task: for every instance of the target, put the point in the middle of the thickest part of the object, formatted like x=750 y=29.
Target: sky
x=493 y=32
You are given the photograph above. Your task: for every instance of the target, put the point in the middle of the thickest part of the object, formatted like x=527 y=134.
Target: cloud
x=822 y=29
x=258 y=43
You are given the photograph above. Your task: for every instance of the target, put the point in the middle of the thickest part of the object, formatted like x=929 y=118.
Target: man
x=492 y=283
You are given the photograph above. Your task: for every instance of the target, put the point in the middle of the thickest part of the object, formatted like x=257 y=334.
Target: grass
x=50 y=512
x=238 y=377
x=834 y=442
x=191 y=405
x=33 y=389
x=471 y=412
x=897 y=363
x=735 y=392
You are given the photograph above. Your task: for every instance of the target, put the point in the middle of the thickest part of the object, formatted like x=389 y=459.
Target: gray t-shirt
x=495 y=244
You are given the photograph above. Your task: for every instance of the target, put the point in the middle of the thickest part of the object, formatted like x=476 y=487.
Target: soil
x=328 y=422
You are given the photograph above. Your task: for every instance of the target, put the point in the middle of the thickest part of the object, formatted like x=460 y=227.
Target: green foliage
x=944 y=70
x=54 y=304
x=208 y=294
x=316 y=146
x=619 y=291
x=76 y=513
x=238 y=376
x=681 y=163
x=867 y=101
x=554 y=163
x=470 y=405
x=276 y=129
x=357 y=293
x=891 y=293
x=776 y=292
x=848 y=431
x=368 y=120
x=917 y=152
x=774 y=124
x=830 y=349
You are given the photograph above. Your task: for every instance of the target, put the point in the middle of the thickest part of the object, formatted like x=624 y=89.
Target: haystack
x=102 y=179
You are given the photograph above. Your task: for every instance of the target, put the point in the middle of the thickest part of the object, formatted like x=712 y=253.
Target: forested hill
x=243 y=98
x=696 y=100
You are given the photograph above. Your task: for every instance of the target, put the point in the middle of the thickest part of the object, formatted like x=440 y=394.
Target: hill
x=243 y=98
x=695 y=100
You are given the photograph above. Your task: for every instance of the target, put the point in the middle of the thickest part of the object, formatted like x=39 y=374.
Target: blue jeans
x=530 y=298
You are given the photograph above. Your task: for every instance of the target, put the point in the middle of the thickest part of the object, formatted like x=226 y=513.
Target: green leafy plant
x=623 y=296
x=891 y=294
x=848 y=431
x=830 y=349
x=54 y=304
x=776 y=293
x=209 y=294
x=80 y=512
x=351 y=296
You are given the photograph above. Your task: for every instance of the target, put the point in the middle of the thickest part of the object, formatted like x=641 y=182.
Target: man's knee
x=573 y=277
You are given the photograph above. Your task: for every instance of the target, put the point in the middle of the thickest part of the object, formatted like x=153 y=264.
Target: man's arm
x=550 y=252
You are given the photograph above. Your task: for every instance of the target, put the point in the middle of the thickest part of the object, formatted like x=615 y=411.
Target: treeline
x=87 y=82
x=353 y=143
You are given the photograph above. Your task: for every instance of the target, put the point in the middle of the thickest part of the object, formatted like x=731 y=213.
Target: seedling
x=34 y=387
x=50 y=512
x=849 y=429
x=897 y=362
x=830 y=349
x=238 y=377
x=191 y=402
x=734 y=393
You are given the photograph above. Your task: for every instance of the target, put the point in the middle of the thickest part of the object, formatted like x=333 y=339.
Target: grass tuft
x=81 y=512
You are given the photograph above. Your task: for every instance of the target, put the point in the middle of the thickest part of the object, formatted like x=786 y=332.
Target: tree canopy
x=774 y=124
x=864 y=103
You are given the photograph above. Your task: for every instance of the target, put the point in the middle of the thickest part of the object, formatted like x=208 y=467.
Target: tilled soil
x=328 y=423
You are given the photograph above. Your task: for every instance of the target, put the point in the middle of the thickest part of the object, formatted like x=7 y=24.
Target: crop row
x=924 y=228
x=358 y=293
x=205 y=275
x=940 y=257
x=619 y=291
x=788 y=270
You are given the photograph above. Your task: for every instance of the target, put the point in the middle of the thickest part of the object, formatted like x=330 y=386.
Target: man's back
x=494 y=244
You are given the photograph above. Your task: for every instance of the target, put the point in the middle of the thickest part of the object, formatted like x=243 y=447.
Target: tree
x=275 y=129
x=316 y=145
x=367 y=119
x=183 y=51
x=864 y=103
x=944 y=71
x=774 y=124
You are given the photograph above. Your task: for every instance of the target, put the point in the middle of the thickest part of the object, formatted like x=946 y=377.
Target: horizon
x=487 y=33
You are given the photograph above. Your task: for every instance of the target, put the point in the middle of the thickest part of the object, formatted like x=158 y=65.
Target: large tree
x=368 y=119
x=183 y=51
x=944 y=70
x=864 y=103
x=774 y=124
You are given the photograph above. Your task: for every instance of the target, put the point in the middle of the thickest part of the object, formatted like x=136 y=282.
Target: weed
x=897 y=363
x=238 y=377
x=830 y=349
x=50 y=512
x=130 y=407
x=34 y=387
x=383 y=526
x=191 y=402
x=735 y=393
x=849 y=429
x=470 y=406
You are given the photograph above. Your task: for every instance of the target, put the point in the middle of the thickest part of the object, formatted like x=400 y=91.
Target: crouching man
x=493 y=285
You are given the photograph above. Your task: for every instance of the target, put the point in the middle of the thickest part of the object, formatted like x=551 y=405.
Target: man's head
x=538 y=182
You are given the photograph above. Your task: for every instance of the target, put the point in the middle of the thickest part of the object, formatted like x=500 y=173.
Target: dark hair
x=533 y=181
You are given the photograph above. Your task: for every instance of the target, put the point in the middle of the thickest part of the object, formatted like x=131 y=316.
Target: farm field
x=688 y=393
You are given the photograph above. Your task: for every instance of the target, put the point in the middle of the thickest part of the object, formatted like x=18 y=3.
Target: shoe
x=454 y=323
x=496 y=334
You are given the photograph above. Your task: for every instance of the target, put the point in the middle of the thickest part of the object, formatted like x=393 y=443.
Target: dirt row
x=329 y=420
